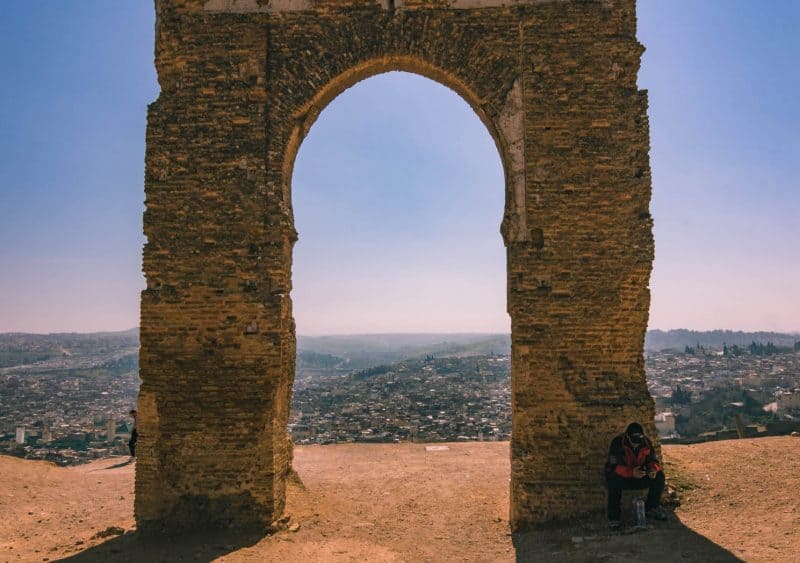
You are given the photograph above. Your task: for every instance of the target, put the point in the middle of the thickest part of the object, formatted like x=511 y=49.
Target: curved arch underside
x=242 y=82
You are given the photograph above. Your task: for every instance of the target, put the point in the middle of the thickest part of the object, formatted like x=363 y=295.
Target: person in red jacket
x=633 y=464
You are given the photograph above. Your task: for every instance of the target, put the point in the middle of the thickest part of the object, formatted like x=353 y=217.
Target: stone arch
x=241 y=81
x=505 y=129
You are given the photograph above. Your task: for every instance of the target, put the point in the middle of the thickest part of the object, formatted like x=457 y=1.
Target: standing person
x=633 y=464
x=134 y=434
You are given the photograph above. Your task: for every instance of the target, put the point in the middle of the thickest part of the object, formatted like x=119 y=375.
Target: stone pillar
x=578 y=287
x=216 y=319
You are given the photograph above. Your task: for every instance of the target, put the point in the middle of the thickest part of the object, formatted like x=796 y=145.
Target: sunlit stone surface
x=241 y=83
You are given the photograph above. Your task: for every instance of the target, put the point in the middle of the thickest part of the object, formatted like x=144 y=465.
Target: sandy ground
x=404 y=503
x=748 y=495
x=48 y=511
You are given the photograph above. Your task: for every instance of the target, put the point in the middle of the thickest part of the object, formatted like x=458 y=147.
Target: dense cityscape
x=70 y=405
x=66 y=398
x=428 y=400
x=700 y=392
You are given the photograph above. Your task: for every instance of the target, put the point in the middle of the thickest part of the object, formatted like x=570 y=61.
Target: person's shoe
x=656 y=514
x=615 y=525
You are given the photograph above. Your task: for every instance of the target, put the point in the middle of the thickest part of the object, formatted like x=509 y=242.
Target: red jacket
x=623 y=457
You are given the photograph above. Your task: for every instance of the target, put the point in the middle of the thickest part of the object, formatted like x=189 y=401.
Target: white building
x=20 y=439
x=665 y=424
x=789 y=401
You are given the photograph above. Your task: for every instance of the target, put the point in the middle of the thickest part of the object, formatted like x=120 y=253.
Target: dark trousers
x=617 y=484
x=132 y=442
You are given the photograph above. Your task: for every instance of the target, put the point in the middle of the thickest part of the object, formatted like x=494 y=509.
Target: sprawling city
x=428 y=400
x=67 y=399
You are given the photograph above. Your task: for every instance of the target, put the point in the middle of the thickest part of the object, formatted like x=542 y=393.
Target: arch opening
x=401 y=164
x=400 y=184
x=389 y=213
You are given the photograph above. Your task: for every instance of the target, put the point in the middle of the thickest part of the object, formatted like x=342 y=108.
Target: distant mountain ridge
x=388 y=348
x=19 y=349
x=359 y=351
x=680 y=338
x=366 y=350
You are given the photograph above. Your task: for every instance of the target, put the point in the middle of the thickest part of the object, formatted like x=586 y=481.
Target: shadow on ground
x=592 y=541
x=199 y=546
x=115 y=466
x=575 y=543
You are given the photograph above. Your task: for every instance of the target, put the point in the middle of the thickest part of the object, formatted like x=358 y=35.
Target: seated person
x=633 y=464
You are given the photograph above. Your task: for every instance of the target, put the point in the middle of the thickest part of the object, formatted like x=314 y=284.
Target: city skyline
x=410 y=176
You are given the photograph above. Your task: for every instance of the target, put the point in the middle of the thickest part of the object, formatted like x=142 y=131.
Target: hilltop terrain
x=405 y=503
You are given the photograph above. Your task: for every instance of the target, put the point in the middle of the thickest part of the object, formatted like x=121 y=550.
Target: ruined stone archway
x=241 y=83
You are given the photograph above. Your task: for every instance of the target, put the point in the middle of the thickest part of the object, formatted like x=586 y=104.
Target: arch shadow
x=590 y=541
x=204 y=546
x=581 y=542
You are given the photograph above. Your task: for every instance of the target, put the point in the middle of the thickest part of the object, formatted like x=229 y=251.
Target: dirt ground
x=404 y=503
x=747 y=496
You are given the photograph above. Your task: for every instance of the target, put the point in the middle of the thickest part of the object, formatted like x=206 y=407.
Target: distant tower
x=111 y=430
x=47 y=434
x=20 y=435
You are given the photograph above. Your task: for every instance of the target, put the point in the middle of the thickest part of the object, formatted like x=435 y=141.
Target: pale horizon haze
x=398 y=188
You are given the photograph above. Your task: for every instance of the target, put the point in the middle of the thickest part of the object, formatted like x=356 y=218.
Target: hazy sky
x=398 y=189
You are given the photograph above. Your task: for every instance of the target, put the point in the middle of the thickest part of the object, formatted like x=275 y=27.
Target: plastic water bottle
x=638 y=505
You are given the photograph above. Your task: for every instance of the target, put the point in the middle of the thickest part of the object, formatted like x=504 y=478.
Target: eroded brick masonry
x=242 y=81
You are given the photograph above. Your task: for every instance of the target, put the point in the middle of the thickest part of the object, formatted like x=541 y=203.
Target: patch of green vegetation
x=678 y=479
x=717 y=408
x=72 y=442
x=313 y=360
x=679 y=483
x=18 y=358
x=377 y=370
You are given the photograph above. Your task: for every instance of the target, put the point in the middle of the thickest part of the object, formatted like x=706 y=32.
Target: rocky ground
x=404 y=503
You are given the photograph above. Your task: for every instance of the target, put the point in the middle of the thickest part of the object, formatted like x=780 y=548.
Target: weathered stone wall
x=242 y=81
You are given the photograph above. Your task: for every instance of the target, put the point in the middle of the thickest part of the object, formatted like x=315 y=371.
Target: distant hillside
x=353 y=351
x=365 y=350
x=374 y=349
x=111 y=350
x=313 y=360
x=680 y=338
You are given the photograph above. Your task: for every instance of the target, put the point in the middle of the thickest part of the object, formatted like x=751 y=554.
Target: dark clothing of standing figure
x=132 y=442
x=632 y=450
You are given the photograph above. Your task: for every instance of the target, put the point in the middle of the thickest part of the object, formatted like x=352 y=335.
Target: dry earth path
x=404 y=503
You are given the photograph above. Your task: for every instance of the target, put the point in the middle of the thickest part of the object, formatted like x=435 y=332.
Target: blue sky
x=76 y=79
x=723 y=81
x=398 y=197
x=398 y=188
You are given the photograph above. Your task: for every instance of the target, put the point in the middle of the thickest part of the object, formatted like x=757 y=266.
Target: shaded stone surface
x=242 y=81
